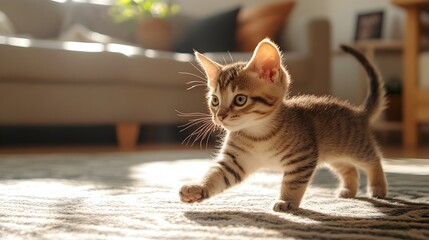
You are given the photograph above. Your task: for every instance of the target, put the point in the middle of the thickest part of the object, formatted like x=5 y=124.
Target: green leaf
x=174 y=9
x=123 y=2
x=124 y=10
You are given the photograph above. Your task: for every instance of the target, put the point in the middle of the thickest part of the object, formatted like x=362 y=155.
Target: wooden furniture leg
x=126 y=135
x=410 y=133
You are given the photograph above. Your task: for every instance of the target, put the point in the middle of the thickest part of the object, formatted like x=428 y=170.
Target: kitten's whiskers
x=198 y=69
x=197 y=83
x=182 y=114
x=193 y=122
x=224 y=60
x=230 y=56
x=204 y=128
x=194 y=75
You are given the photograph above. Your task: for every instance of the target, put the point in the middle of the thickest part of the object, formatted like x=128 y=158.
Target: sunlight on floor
x=45 y=188
x=413 y=166
x=160 y=173
x=125 y=195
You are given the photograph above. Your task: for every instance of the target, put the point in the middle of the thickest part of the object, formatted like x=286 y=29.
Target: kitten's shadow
x=397 y=218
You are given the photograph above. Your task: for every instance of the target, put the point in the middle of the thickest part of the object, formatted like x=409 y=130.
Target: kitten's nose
x=222 y=116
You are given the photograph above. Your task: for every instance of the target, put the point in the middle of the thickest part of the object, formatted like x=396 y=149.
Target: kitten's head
x=243 y=95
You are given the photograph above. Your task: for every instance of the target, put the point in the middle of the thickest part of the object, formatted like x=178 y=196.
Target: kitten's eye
x=240 y=100
x=215 y=101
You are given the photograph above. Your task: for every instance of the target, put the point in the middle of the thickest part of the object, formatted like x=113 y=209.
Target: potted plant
x=153 y=30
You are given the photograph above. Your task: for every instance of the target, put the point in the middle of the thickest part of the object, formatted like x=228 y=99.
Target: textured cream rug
x=135 y=196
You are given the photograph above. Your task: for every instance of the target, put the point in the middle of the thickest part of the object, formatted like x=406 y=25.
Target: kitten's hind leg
x=367 y=156
x=377 y=185
x=349 y=179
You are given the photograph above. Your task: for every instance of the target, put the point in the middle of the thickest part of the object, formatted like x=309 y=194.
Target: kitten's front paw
x=284 y=206
x=193 y=193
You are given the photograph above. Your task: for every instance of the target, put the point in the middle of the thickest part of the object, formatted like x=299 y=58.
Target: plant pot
x=154 y=33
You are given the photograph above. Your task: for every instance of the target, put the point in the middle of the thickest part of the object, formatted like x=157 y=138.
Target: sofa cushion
x=257 y=22
x=40 y=19
x=213 y=34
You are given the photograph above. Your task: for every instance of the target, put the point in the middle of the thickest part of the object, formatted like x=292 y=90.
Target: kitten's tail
x=375 y=101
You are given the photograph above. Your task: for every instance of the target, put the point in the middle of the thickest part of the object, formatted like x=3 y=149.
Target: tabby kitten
x=266 y=129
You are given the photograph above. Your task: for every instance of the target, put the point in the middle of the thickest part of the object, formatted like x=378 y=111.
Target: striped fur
x=267 y=129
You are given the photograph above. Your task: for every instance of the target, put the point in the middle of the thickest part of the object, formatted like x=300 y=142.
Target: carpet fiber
x=135 y=196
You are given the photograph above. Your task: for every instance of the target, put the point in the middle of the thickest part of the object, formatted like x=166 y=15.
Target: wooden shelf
x=385 y=125
x=394 y=45
x=414 y=3
x=415 y=99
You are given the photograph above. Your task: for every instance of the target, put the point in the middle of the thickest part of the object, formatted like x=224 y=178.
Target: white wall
x=304 y=10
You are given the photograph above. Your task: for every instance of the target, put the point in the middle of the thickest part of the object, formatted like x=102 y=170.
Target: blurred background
x=105 y=75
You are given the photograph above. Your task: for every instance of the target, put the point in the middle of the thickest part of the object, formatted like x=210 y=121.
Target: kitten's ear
x=211 y=67
x=266 y=60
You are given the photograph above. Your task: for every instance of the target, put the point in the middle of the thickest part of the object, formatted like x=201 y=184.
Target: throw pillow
x=255 y=23
x=6 y=27
x=212 y=34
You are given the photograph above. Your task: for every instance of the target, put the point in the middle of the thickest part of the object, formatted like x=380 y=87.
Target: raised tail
x=375 y=101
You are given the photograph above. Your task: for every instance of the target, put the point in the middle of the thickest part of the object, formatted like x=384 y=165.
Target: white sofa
x=44 y=81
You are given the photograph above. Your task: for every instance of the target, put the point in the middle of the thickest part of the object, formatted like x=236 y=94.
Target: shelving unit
x=416 y=99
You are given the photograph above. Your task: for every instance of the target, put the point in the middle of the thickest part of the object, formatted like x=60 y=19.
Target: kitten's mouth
x=230 y=128
x=230 y=125
x=229 y=122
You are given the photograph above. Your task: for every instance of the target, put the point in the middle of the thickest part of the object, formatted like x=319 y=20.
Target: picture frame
x=369 y=25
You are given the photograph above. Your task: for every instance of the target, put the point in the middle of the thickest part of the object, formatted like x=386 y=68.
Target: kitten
x=266 y=129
